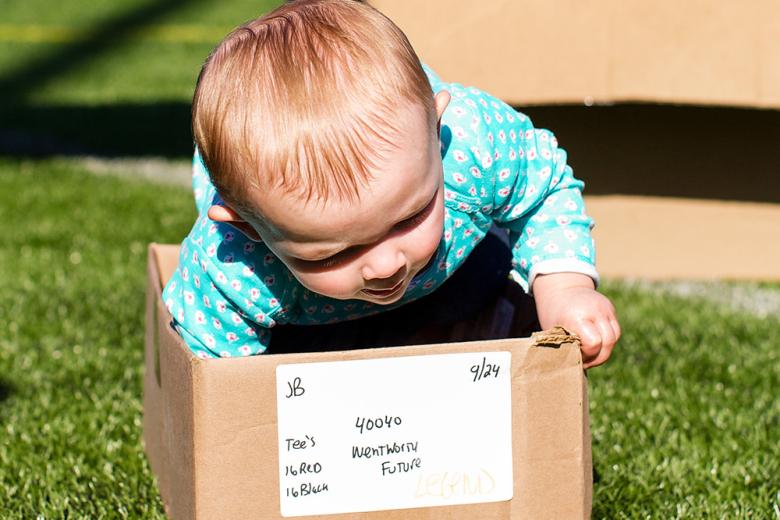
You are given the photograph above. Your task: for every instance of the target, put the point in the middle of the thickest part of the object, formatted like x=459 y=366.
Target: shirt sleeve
x=530 y=190
x=203 y=299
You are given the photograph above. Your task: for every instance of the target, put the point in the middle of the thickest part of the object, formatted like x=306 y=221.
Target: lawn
x=71 y=301
x=685 y=417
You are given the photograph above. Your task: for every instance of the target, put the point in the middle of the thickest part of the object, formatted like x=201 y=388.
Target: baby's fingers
x=608 y=339
x=590 y=339
x=615 y=328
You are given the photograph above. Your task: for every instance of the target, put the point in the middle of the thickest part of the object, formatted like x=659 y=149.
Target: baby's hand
x=571 y=300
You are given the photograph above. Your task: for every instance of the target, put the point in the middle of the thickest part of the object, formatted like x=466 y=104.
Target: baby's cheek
x=425 y=242
x=334 y=284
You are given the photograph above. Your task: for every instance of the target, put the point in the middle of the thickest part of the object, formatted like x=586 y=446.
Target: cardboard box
x=563 y=51
x=700 y=52
x=667 y=238
x=210 y=427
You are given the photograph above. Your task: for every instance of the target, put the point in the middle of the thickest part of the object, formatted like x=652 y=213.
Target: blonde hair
x=305 y=98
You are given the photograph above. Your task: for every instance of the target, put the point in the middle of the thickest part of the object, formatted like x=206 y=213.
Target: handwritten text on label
x=394 y=433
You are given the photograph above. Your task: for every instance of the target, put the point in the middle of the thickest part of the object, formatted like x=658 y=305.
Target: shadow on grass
x=669 y=151
x=7 y=389
x=160 y=129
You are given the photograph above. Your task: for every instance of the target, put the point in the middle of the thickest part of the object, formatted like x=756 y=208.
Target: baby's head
x=319 y=128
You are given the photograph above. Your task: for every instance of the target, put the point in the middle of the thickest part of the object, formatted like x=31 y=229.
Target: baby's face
x=371 y=248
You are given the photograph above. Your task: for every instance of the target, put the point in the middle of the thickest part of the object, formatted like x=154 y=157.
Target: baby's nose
x=383 y=265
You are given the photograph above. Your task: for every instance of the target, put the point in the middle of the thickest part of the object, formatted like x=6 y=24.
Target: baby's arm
x=553 y=248
x=206 y=317
x=538 y=199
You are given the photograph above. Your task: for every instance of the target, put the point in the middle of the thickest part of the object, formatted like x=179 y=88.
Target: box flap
x=167 y=259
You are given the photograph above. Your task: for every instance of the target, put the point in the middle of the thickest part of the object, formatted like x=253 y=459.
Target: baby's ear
x=228 y=215
x=440 y=100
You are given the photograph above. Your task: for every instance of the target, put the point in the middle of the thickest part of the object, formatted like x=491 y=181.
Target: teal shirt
x=228 y=292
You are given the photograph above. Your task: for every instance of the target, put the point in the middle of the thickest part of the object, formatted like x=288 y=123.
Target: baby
x=336 y=177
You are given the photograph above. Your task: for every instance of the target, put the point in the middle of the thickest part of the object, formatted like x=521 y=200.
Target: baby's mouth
x=383 y=293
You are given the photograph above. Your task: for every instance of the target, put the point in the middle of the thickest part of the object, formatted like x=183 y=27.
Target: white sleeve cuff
x=561 y=265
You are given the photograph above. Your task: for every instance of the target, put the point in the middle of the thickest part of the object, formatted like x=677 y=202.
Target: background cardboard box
x=567 y=51
x=215 y=454
x=602 y=52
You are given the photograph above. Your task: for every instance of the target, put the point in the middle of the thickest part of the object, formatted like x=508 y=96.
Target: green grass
x=685 y=417
x=71 y=290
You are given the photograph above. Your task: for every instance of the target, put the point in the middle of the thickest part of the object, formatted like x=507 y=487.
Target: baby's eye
x=418 y=219
x=412 y=221
x=328 y=262
x=338 y=258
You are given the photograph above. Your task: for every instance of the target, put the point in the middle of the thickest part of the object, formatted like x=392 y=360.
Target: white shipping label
x=394 y=433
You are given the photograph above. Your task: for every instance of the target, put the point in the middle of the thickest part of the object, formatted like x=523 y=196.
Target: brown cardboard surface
x=667 y=238
x=168 y=396
x=565 y=51
x=211 y=437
